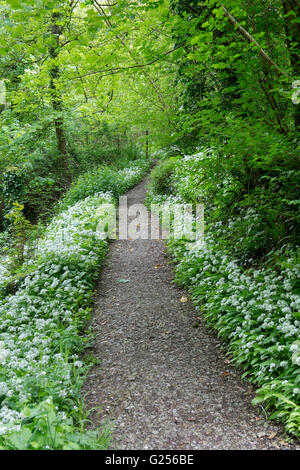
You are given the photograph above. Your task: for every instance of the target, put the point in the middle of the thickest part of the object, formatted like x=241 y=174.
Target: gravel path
x=164 y=383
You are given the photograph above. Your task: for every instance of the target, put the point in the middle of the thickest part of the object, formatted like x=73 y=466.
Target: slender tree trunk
x=57 y=102
x=292 y=28
x=267 y=85
x=147 y=144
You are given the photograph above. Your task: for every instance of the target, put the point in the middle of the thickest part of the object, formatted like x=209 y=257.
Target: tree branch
x=115 y=70
x=252 y=40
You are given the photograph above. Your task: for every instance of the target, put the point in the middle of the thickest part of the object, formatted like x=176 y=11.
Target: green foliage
x=20 y=228
x=41 y=323
x=87 y=96
x=64 y=116
x=161 y=181
x=39 y=197
x=103 y=179
x=256 y=312
x=12 y=190
x=245 y=186
x=105 y=144
x=44 y=429
x=244 y=278
x=224 y=75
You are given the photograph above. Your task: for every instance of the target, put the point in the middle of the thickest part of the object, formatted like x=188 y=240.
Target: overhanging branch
x=115 y=70
x=266 y=58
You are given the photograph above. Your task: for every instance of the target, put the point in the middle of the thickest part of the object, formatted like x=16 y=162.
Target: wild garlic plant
x=41 y=329
x=252 y=305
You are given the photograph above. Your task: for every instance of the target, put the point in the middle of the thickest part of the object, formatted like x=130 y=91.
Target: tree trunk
x=147 y=144
x=57 y=102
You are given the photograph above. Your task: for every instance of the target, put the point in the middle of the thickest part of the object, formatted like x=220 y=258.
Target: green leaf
x=20 y=440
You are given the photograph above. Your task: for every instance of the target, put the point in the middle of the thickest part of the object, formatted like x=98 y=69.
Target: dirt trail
x=164 y=384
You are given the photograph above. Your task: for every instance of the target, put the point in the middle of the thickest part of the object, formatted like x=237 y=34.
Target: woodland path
x=165 y=384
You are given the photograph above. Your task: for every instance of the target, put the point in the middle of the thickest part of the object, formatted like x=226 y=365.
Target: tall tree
x=56 y=30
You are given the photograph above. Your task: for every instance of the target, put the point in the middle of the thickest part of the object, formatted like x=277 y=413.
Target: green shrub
x=39 y=198
x=20 y=228
x=258 y=209
x=105 y=179
x=161 y=177
x=12 y=190
x=102 y=179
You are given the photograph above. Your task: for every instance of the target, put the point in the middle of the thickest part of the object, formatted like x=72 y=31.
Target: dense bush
x=259 y=210
x=161 y=181
x=35 y=177
x=104 y=144
x=105 y=179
